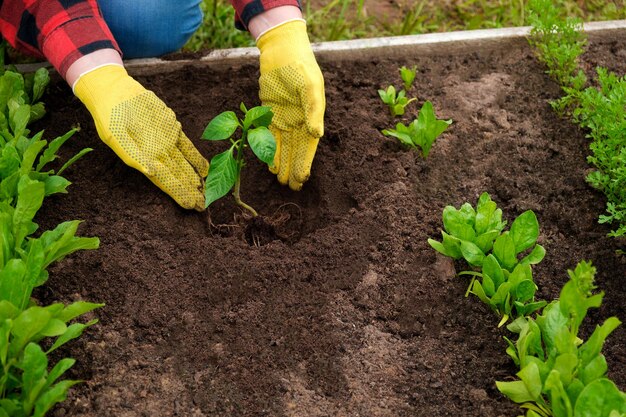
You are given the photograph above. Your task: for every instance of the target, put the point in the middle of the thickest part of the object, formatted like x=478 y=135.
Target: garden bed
x=343 y=309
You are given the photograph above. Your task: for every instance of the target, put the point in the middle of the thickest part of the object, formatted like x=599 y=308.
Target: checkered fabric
x=247 y=9
x=60 y=31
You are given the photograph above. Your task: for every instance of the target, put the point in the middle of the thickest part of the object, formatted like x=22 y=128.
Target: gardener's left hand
x=144 y=133
x=292 y=84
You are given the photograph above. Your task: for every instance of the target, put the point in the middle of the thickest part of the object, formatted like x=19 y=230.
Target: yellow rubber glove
x=144 y=133
x=292 y=84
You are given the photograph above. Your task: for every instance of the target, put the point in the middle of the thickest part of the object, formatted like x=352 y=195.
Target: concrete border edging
x=430 y=43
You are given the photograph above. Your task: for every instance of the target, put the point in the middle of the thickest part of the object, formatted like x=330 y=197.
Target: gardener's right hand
x=144 y=133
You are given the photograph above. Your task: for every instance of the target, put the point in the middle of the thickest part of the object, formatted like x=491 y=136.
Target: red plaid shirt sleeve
x=60 y=31
x=247 y=9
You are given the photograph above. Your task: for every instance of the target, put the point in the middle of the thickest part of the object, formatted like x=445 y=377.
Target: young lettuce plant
x=396 y=101
x=421 y=132
x=408 y=76
x=500 y=279
x=560 y=375
x=225 y=168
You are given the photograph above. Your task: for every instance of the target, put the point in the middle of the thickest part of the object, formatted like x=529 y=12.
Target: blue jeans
x=150 y=28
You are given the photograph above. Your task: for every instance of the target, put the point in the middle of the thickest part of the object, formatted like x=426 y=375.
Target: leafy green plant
x=603 y=112
x=421 y=132
x=225 y=171
x=408 y=76
x=27 y=387
x=396 y=101
x=561 y=375
x=500 y=279
x=558 y=42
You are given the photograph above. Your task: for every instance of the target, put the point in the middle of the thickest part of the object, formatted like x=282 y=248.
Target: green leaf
x=429 y=127
x=34 y=364
x=524 y=231
x=525 y=290
x=222 y=176
x=472 y=253
x=73 y=159
x=42 y=78
x=30 y=198
x=491 y=267
x=18 y=119
x=73 y=331
x=55 y=184
x=559 y=400
x=479 y=291
x=54 y=328
x=592 y=347
x=262 y=143
x=50 y=153
x=260 y=116
x=504 y=251
x=452 y=245
x=76 y=309
x=13 y=287
x=517 y=391
x=535 y=256
x=59 y=369
x=221 y=127
x=595 y=369
x=56 y=394
x=485 y=241
x=37 y=111
x=600 y=398
x=26 y=326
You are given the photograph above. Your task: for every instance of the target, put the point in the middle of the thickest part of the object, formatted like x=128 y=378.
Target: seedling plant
x=601 y=111
x=421 y=132
x=396 y=101
x=225 y=171
x=560 y=374
x=500 y=278
x=408 y=76
x=28 y=387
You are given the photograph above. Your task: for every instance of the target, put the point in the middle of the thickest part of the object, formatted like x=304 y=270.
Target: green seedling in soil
x=225 y=168
x=421 y=132
x=560 y=374
x=500 y=279
x=27 y=386
x=396 y=101
x=408 y=76
x=558 y=42
x=603 y=112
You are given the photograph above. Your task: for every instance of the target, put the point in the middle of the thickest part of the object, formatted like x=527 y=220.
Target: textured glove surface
x=292 y=84
x=144 y=133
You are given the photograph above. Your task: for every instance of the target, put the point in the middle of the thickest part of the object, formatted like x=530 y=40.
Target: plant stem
x=240 y=147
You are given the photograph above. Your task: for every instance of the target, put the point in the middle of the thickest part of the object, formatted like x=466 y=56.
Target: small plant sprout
x=422 y=131
x=408 y=76
x=225 y=171
x=396 y=101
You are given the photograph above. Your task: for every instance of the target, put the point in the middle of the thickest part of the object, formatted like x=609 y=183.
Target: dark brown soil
x=345 y=310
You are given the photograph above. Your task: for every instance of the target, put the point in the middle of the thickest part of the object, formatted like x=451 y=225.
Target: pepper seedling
x=408 y=76
x=225 y=168
x=422 y=131
x=396 y=101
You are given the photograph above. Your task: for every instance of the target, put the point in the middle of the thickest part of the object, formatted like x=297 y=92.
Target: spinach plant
x=500 y=278
x=396 y=101
x=561 y=375
x=27 y=386
x=225 y=171
x=408 y=76
x=421 y=132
